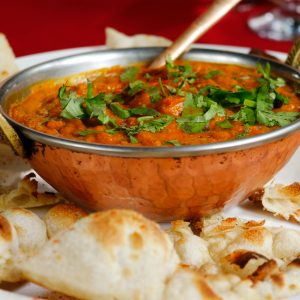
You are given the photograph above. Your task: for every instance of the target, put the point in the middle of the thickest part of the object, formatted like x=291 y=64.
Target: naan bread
x=11 y=167
x=27 y=233
x=61 y=217
x=8 y=64
x=9 y=246
x=191 y=249
x=283 y=201
x=26 y=195
x=117 y=254
x=190 y=285
x=117 y=39
x=31 y=230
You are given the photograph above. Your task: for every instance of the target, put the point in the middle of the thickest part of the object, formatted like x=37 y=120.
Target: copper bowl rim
x=145 y=54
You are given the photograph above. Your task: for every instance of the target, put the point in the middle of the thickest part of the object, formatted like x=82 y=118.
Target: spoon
x=203 y=23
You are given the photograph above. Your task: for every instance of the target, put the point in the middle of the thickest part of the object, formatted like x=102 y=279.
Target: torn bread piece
x=117 y=39
x=191 y=249
x=188 y=284
x=116 y=254
x=26 y=195
x=9 y=245
x=28 y=234
x=11 y=167
x=281 y=200
x=61 y=217
x=30 y=228
x=8 y=64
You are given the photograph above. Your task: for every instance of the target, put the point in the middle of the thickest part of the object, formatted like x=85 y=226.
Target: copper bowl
x=163 y=183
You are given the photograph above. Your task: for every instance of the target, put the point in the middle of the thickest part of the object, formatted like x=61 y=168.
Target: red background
x=34 y=26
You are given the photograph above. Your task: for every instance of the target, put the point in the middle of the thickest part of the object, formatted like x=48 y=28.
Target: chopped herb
x=225 y=124
x=144 y=111
x=133 y=140
x=270 y=118
x=71 y=104
x=129 y=74
x=172 y=142
x=193 y=124
x=154 y=94
x=249 y=103
x=118 y=110
x=213 y=74
x=135 y=87
x=157 y=124
x=90 y=89
x=87 y=132
x=162 y=87
x=245 y=133
x=246 y=115
x=148 y=76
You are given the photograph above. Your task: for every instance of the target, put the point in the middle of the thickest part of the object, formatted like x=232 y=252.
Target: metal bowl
x=163 y=183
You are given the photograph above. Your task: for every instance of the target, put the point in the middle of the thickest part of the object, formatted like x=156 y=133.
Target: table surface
x=34 y=26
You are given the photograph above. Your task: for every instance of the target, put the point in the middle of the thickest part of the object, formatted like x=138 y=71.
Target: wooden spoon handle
x=293 y=58
x=204 y=22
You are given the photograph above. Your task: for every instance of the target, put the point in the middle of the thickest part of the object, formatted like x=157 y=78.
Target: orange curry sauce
x=42 y=108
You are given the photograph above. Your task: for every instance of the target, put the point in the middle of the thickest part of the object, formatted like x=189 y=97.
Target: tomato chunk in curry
x=185 y=103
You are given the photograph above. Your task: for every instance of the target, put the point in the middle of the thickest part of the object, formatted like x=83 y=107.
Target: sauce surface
x=183 y=104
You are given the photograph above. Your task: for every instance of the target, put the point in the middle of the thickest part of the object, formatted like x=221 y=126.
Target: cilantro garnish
x=129 y=74
x=172 y=142
x=135 y=87
x=200 y=106
x=118 y=110
x=144 y=111
x=87 y=132
x=224 y=124
x=154 y=94
x=212 y=74
x=71 y=104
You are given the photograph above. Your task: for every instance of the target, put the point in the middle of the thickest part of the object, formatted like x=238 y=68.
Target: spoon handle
x=203 y=23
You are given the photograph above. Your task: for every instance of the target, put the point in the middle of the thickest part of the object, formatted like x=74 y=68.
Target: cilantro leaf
x=144 y=111
x=157 y=124
x=129 y=74
x=270 y=118
x=73 y=110
x=71 y=104
x=87 y=132
x=245 y=115
x=118 y=110
x=172 y=142
x=192 y=124
x=224 y=124
x=90 y=89
x=154 y=94
x=135 y=87
x=212 y=74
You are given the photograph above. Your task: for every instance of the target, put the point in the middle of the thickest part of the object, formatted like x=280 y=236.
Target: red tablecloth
x=34 y=26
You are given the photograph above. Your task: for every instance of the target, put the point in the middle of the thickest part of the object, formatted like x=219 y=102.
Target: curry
x=184 y=103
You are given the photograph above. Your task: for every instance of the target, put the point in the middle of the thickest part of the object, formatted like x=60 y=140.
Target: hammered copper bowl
x=163 y=183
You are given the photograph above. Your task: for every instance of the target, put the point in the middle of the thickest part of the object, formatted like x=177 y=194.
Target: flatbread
x=281 y=200
x=117 y=39
x=117 y=254
x=11 y=168
x=8 y=64
x=26 y=195
x=62 y=217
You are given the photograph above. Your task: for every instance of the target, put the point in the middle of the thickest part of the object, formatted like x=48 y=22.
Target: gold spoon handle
x=215 y=12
